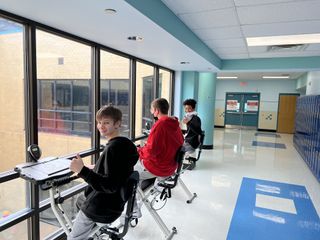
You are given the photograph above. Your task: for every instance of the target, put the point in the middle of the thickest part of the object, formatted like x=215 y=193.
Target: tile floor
x=217 y=180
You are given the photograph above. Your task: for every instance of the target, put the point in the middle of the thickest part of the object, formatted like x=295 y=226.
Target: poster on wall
x=251 y=106
x=233 y=105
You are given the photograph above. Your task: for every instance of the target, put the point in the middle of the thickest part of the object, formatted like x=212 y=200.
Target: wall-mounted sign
x=251 y=106
x=233 y=105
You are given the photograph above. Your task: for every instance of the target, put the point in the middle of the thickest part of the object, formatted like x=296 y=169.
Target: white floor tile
x=275 y=203
x=217 y=179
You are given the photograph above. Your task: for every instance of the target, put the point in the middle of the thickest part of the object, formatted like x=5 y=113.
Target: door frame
x=283 y=94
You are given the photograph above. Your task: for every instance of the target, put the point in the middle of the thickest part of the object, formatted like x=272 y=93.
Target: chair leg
x=169 y=234
x=187 y=191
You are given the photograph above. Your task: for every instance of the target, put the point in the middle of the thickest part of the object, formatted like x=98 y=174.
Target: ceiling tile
x=210 y=19
x=288 y=28
x=190 y=6
x=260 y=2
x=219 y=33
x=231 y=50
x=313 y=47
x=226 y=43
x=234 y=56
x=283 y=12
x=282 y=54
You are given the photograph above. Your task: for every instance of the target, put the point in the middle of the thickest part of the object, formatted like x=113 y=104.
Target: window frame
x=31 y=117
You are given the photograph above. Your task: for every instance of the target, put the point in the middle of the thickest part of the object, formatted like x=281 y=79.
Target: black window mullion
x=132 y=92
x=96 y=99
x=172 y=87
x=31 y=123
x=156 y=81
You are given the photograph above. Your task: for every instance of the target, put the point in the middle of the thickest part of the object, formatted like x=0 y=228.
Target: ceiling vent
x=287 y=48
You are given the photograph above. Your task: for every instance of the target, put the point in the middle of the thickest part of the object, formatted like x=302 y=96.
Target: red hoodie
x=158 y=154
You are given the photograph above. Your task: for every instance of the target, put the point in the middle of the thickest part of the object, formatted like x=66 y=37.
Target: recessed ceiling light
x=227 y=77
x=110 y=11
x=135 y=38
x=184 y=62
x=276 y=77
x=283 y=40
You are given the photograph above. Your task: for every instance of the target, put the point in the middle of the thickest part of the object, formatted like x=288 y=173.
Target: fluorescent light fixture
x=276 y=77
x=283 y=40
x=227 y=77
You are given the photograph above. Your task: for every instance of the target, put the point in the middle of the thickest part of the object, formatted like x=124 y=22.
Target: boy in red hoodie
x=157 y=156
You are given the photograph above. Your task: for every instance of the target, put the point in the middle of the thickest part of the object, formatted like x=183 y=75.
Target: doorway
x=286 y=112
x=242 y=109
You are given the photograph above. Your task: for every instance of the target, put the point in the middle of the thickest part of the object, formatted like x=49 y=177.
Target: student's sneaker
x=191 y=163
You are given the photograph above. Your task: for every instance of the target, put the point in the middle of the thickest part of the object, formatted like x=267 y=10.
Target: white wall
x=269 y=94
x=177 y=94
x=313 y=83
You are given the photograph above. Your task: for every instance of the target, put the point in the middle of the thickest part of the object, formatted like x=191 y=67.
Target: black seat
x=128 y=193
x=201 y=144
x=191 y=160
x=170 y=182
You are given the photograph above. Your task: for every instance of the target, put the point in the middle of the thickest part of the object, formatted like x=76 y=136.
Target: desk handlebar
x=62 y=181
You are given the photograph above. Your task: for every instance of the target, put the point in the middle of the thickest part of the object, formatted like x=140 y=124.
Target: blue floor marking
x=268 y=144
x=254 y=223
x=267 y=134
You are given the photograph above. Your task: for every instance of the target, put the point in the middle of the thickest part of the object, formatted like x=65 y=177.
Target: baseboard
x=216 y=126
x=207 y=147
x=266 y=130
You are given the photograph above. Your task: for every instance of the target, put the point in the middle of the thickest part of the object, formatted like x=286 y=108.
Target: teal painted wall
x=206 y=104
x=286 y=63
x=202 y=88
x=189 y=87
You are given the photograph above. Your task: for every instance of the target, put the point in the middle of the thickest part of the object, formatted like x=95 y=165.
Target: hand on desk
x=76 y=164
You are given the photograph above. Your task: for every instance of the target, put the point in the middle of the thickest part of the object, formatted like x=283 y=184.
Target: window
x=115 y=82
x=165 y=84
x=65 y=112
x=144 y=96
x=12 y=100
x=64 y=95
x=18 y=231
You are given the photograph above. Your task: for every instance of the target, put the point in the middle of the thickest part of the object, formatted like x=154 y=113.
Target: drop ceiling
x=222 y=25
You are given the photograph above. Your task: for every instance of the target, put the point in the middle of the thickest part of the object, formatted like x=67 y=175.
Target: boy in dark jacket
x=193 y=132
x=103 y=202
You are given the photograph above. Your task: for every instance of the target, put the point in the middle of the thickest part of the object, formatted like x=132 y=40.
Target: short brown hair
x=161 y=104
x=109 y=111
